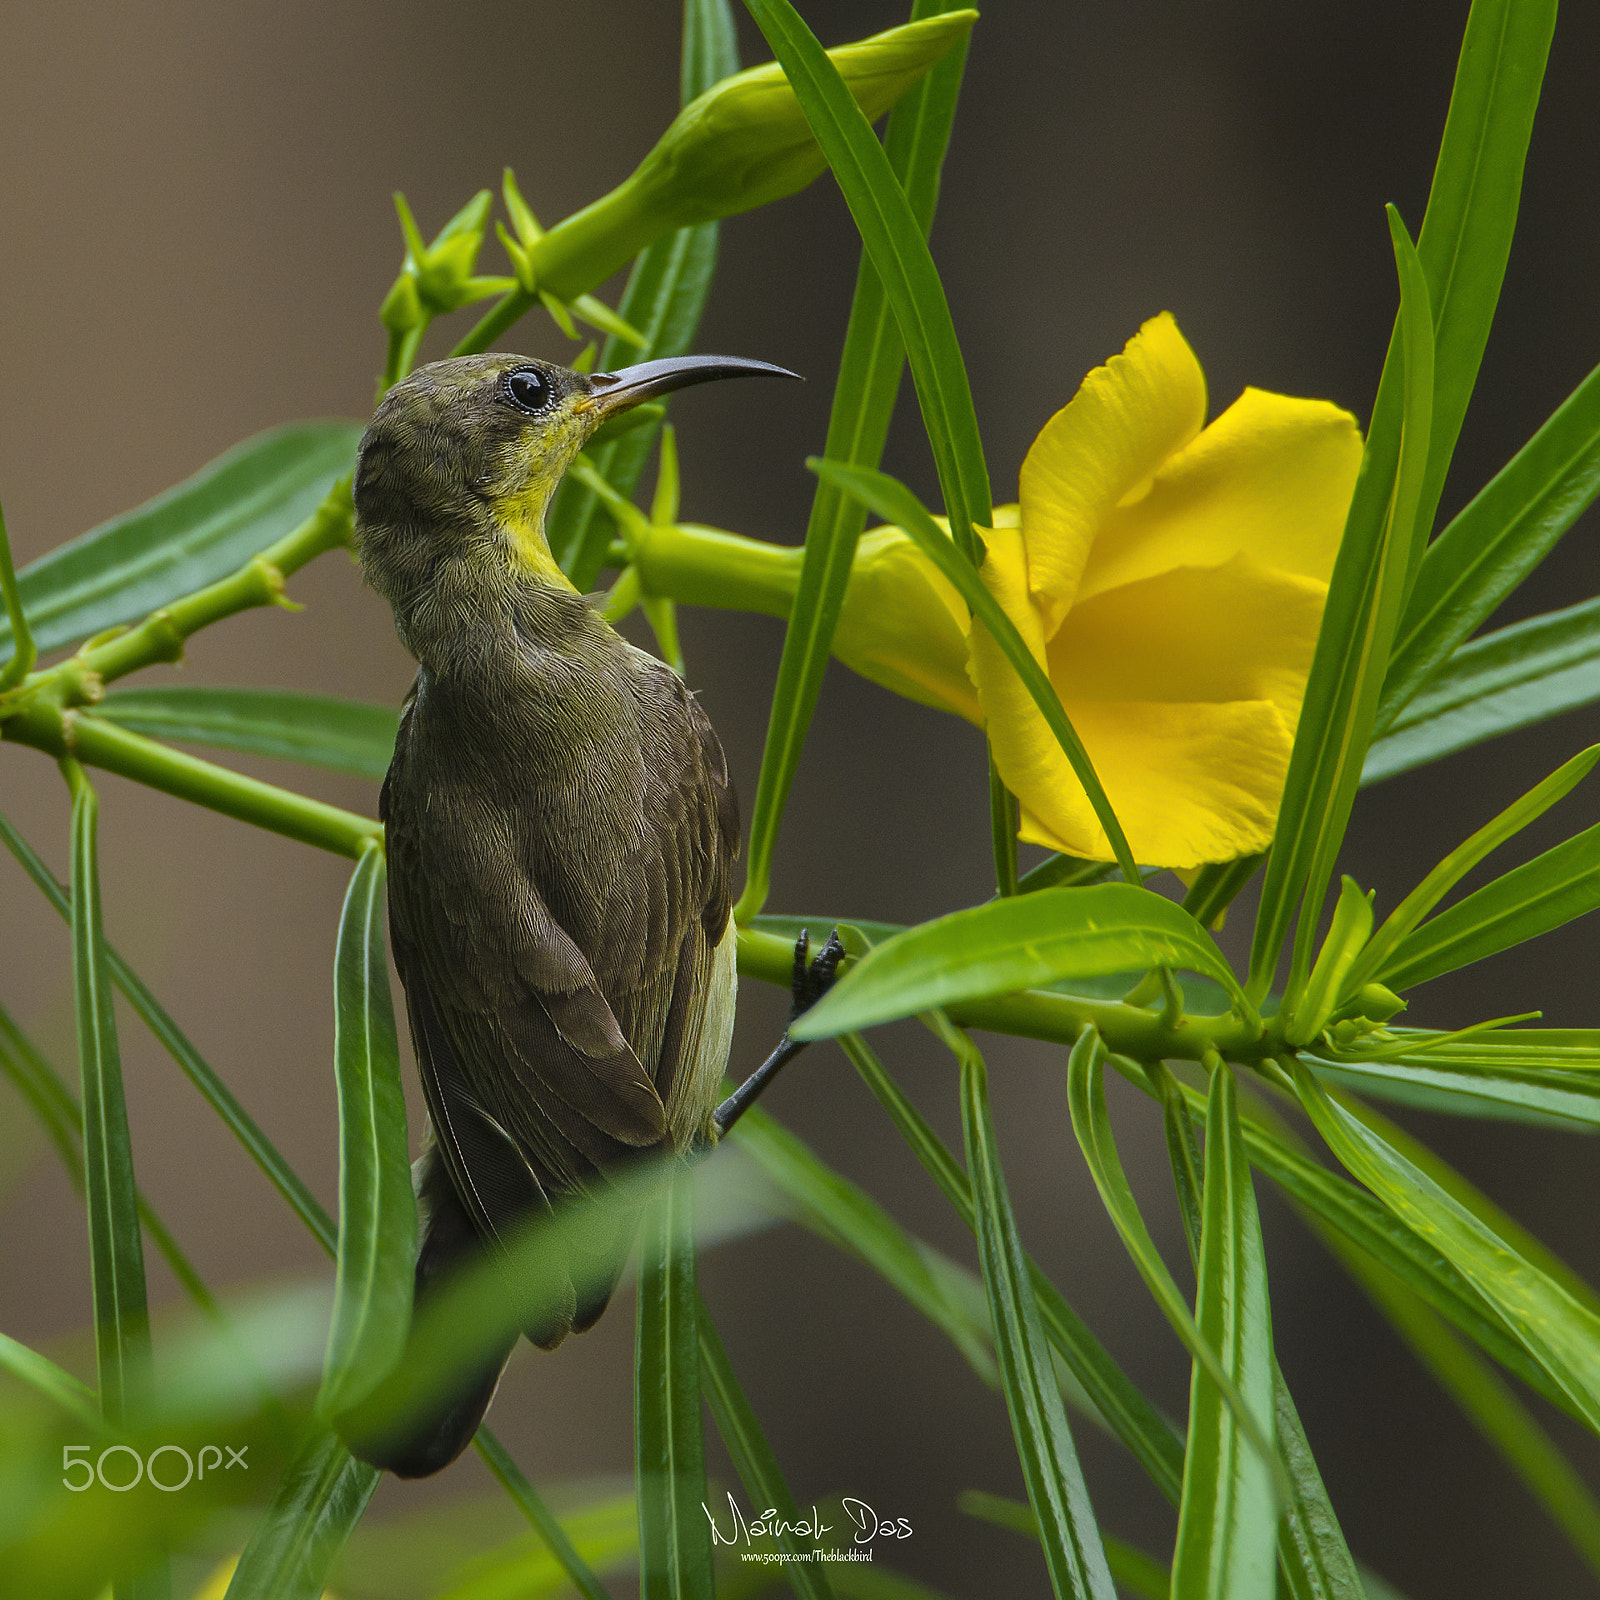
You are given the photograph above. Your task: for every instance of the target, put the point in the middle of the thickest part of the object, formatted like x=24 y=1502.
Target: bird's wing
x=544 y=1063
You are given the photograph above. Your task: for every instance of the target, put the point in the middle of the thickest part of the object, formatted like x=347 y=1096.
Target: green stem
x=24 y=654
x=77 y=735
x=1037 y=1014
x=706 y=567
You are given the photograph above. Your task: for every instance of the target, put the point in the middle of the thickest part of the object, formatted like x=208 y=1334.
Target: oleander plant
x=1188 y=643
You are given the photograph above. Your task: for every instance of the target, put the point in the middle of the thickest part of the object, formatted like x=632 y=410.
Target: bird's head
x=461 y=459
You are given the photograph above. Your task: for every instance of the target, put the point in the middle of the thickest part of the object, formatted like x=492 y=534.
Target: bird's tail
x=424 y=1444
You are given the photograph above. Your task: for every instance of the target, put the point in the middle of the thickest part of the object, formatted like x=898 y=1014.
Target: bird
x=560 y=831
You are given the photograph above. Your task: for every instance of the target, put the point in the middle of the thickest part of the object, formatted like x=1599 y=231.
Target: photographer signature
x=867 y=1523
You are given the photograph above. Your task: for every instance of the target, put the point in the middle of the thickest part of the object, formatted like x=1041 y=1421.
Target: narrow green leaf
x=1086 y=1094
x=669 y=1444
x=1217 y=886
x=1465 y=240
x=116 y=1254
x=836 y=1208
x=1472 y=204
x=1463 y=859
x=1561 y=1333
x=753 y=1459
x=606 y=1533
x=1227 y=1520
x=342 y=735
x=1133 y=1570
x=1569 y=1100
x=1529 y=900
x=1509 y=679
x=377 y=1211
x=665 y=296
x=116 y=1249
x=1494 y=544
x=1312 y=1553
x=1353 y=1214
x=895 y=244
x=321 y=1498
x=1056 y=1490
x=896 y=503
x=202 y=530
x=1106 y=1388
x=1015 y=944
x=24 y=652
x=528 y=1500
x=858 y=426
x=1365 y=595
x=1329 y=978
x=56 y=1384
x=1492 y=1408
x=200 y=1073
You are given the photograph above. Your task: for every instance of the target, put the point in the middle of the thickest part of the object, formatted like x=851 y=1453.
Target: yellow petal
x=904 y=625
x=1234 y=632
x=1127 y=419
x=1271 y=478
x=1189 y=783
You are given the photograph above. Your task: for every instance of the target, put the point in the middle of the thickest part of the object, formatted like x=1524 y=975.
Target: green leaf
x=893 y=501
x=1472 y=204
x=863 y=401
x=1133 y=1570
x=1106 y=1388
x=342 y=735
x=24 y=652
x=1015 y=944
x=1365 y=595
x=1569 y=1100
x=562 y=1549
x=850 y=1219
x=56 y=1384
x=1056 y=1490
x=896 y=246
x=377 y=1211
x=1494 y=544
x=1228 y=1519
x=1529 y=900
x=669 y=1445
x=1559 y=1332
x=753 y=1459
x=1492 y=1408
x=200 y=1073
x=1086 y=1096
x=202 y=530
x=116 y=1253
x=1353 y=1214
x=1463 y=859
x=665 y=296
x=1509 y=679
x=322 y=1497
x=1312 y=1553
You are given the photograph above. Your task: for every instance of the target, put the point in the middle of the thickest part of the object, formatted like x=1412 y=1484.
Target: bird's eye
x=529 y=389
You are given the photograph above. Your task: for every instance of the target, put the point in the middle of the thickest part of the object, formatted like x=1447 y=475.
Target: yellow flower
x=1170 y=578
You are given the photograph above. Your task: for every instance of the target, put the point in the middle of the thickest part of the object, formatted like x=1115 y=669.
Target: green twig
x=24 y=654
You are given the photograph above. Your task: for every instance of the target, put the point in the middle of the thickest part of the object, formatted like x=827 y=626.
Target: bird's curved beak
x=613 y=392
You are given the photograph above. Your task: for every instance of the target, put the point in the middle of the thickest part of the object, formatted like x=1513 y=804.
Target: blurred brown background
x=194 y=202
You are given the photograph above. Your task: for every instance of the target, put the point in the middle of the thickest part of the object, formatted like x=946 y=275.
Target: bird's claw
x=813 y=975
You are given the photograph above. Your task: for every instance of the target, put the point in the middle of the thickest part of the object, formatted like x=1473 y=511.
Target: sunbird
x=561 y=832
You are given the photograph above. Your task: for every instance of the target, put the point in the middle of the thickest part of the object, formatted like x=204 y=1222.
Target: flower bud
x=743 y=143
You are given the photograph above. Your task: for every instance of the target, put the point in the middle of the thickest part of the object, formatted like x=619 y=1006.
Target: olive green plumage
x=560 y=832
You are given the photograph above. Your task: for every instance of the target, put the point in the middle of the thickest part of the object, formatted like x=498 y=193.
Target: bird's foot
x=814 y=975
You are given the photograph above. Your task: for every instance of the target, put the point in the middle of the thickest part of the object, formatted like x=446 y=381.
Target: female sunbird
x=560 y=832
